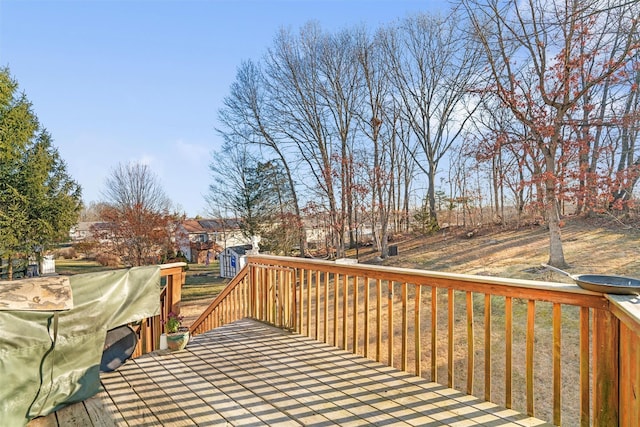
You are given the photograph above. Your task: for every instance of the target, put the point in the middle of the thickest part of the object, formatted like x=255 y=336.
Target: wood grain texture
x=629 y=377
x=404 y=327
x=487 y=347
x=531 y=317
x=605 y=368
x=250 y=373
x=470 y=342
x=557 y=374
x=417 y=331
x=450 y=336
x=508 y=352
x=434 y=334
x=390 y=331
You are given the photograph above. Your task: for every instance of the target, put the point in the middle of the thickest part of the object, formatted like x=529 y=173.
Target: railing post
x=629 y=374
x=606 y=333
x=175 y=278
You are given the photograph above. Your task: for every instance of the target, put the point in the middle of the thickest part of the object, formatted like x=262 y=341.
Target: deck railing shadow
x=554 y=351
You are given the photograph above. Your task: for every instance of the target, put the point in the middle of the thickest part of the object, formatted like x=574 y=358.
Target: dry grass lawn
x=598 y=246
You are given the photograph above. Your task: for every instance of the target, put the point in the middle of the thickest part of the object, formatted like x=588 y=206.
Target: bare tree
x=627 y=172
x=340 y=93
x=136 y=211
x=294 y=70
x=255 y=192
x=548 y=41
x=376 y=123
x=404 y=163
x=247 y=118
x=433 y=69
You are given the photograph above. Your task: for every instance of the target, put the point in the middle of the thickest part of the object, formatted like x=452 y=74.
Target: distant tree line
x=532 y=104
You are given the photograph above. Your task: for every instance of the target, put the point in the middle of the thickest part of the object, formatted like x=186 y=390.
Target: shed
x=232 y=260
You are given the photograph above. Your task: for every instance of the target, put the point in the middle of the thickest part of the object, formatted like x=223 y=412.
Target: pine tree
x=39 y=201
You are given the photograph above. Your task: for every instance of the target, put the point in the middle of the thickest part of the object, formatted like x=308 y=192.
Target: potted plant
x=177 y=335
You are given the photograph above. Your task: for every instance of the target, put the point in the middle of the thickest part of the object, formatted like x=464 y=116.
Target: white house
x=199 y=238
x=86 y=230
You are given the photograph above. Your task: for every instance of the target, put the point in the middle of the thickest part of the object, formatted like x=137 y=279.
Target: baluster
x=326 y=307
x=556 y=323
x=378 y=320
x=450 y=340
x=345 y=310
x=366 y=316
x=508 y=325
x=404 y=326
x=531 y=316
x=356 y=281
x=434 y=334
x=470 y=343
x=390 y=331
x=417 y=329
x=487 y=347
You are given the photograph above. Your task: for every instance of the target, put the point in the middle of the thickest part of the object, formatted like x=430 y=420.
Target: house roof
x=240 y=250
x=196 y=226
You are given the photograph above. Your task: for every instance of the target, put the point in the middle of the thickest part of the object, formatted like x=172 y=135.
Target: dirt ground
x=191 y=309
x=598 y=246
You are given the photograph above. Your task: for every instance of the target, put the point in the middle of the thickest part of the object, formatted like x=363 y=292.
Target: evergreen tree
x=39 y=201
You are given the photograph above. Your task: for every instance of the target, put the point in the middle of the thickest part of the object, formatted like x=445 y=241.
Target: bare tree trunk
x=556 y=253
x=9 y=268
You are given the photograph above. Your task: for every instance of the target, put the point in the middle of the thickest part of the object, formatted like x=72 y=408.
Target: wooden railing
x=150 y=329
x=554 y=351
x=230 y=305
x=627 y=314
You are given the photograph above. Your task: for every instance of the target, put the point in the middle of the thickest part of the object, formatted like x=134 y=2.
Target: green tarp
x=37 y=376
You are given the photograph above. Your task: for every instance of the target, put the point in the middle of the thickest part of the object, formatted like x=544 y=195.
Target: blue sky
x=119 y=81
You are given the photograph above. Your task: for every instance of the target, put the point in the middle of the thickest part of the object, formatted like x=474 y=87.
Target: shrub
x=87 y=248
x=65 y=253
x=108 y=260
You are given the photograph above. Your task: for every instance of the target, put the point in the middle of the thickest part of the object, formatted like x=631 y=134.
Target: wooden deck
x=249 y=373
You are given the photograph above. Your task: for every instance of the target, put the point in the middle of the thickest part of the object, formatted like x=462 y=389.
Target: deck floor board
x=250 y=374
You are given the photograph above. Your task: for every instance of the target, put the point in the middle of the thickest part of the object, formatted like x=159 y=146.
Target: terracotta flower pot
x=177 y=340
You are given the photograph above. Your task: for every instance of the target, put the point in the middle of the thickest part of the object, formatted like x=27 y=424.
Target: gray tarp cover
x=36 y=377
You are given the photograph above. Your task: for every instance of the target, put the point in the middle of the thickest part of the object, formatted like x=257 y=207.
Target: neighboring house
x=87 y=231
x=197 y=238
x=318 y=233
x=82 y=231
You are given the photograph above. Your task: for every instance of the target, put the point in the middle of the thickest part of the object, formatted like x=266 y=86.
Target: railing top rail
x=172 y=265
x=220 y=297
x=627 y=309
x=517 y=288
